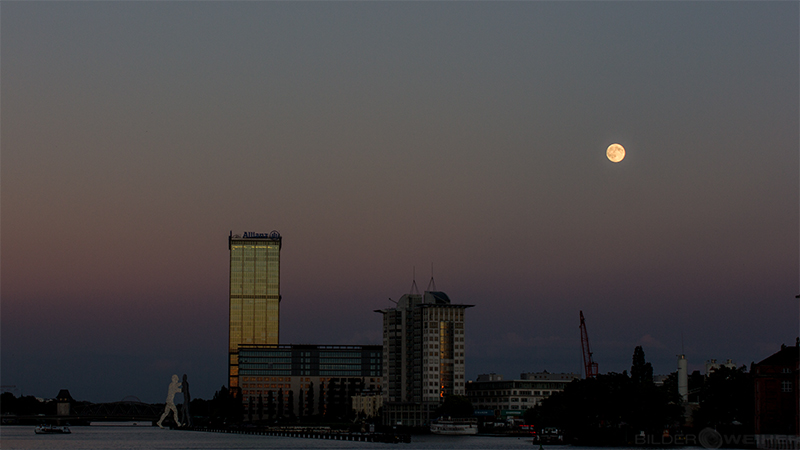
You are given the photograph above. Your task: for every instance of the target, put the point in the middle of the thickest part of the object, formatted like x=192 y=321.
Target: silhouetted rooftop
x=787 y=356
x=63 y=395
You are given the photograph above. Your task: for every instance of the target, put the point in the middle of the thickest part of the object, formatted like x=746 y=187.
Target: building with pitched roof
x=776 y=392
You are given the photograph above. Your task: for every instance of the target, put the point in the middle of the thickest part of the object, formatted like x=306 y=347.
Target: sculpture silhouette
x=185 y=414
x=174 y=388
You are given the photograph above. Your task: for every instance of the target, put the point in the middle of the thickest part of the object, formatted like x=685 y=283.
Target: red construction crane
x=588 y=364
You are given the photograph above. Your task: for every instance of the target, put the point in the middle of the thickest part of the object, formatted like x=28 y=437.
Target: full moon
x=615 y=153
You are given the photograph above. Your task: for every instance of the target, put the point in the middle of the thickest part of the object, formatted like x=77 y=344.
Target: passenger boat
x=550 y=436
x=51 y=429
x=463 y=427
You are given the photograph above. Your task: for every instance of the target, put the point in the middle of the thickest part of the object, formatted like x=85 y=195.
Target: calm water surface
x=136 y=438
x=130 y=438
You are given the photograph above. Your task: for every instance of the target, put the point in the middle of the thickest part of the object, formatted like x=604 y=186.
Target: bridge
x=129 y=409
x=126 y=410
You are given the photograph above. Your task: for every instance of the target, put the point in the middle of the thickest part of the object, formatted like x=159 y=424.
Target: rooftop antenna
x=390 y=299
x=682 y=351
x=414 y=289
x=432 y=283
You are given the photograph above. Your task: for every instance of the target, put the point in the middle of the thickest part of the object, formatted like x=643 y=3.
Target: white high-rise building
x=423 y=356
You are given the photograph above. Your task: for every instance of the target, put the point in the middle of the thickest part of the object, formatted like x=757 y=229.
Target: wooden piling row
x=312 y=434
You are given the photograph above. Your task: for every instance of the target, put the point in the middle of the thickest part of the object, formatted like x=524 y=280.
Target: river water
x=146 y=438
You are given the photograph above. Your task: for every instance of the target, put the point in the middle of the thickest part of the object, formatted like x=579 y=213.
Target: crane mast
x=589 y=365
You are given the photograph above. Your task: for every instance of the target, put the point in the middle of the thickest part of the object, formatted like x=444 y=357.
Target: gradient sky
x=380 y=139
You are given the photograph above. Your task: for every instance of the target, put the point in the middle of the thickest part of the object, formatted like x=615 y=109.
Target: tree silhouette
x=290 y=406
x=726 y=401
x=321 y=411
x=310 y=399
x=342 y=406
x=355 y=384
x=610 y=408
x=280 y=402
x=227 y=407
x=641 y=371
x=330 y=401
x=271 y=404
x=300 y=403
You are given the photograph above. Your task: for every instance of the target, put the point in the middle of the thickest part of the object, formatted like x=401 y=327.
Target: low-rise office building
x=306 y=380
x=492 y=392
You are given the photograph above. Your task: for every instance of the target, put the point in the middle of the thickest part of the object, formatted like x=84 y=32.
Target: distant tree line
x=328 y=402
x=611 y=409
x=25 y=405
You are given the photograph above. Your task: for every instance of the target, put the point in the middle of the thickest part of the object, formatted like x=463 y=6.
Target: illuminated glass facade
x=254 y=300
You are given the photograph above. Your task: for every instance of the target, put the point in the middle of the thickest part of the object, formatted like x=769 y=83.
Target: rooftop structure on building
x=712 y=365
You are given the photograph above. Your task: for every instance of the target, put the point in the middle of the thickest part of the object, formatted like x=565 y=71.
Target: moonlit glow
x=615 y=153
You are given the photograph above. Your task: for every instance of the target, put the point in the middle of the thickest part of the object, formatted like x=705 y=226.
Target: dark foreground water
x=130 y=438
x=146 y=438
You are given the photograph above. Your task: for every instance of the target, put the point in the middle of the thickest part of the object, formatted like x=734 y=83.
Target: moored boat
x=550 y=436
x=51 y=429
x=454 y=426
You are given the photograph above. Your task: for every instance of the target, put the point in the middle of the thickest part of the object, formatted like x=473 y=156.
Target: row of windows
x=264 y=366
x=280 y=357
x=237 y=250
x=264 y=372
x=255 y=369
x=509 y=407
x=501 y=393
x=268 y=379
x=350 y=373
x=257 y=266
x=302 y=380
x=268 y=386
x=259 y=324
x=485 y=385
x=265 y=353
x=256 y=293
x=340 y=366
x=249 y=276
x=323 y=359
x=255 y=302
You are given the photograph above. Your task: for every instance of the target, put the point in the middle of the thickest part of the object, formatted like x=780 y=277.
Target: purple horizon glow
x=381 y=139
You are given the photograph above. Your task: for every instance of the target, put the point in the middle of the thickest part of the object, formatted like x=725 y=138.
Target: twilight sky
x=382 y=138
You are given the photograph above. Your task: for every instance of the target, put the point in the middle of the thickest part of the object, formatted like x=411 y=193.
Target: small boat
x=550 y=436
x=451 y=426
x=51 y=429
